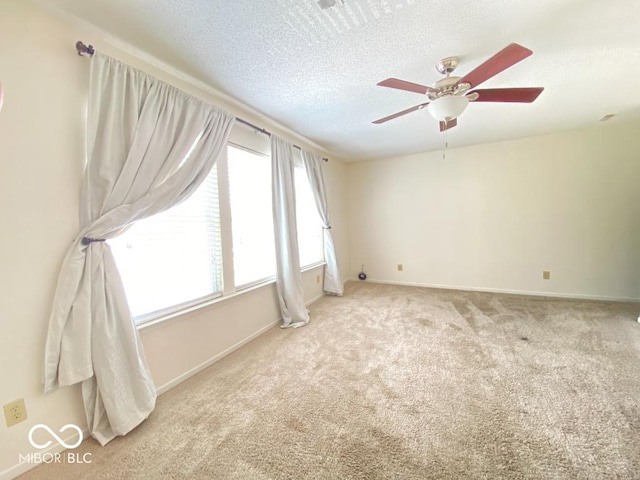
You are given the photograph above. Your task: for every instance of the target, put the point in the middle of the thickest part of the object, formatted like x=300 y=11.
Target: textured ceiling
x=315 y=71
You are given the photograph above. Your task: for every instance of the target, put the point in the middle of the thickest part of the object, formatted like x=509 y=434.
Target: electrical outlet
x=546 y=275
x=400 y=267
x=15 y=412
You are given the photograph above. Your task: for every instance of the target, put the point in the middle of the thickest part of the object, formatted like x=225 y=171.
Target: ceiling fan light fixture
x=447 y=108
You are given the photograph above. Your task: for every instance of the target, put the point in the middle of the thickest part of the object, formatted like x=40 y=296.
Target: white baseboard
x=577 y=296
x=198 y=368
x=315 y=299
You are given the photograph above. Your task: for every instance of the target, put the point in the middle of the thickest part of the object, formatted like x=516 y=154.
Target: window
x=251 y=216
x=174 y=258
x=310 y=242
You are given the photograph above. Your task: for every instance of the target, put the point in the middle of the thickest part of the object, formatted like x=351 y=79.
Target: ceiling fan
x=451 y=95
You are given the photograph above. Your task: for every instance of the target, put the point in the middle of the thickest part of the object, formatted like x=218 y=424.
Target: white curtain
x=288 y=274
x=313 y=165
x=149 y=146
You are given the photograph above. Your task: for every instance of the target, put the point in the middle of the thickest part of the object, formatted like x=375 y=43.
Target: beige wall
x=494 y=216
x=41 y=154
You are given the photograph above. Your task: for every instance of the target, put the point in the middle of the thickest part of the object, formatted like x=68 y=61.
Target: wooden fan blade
x=505 y=58
x=448 y=124
x=522 y=95
x=399 y=114
x=402 y=85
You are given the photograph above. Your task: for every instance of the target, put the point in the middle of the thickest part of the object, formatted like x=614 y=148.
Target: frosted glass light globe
x=447 y=108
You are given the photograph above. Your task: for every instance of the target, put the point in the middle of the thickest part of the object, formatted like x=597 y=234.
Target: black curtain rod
x=266 y=132
x=89 y=50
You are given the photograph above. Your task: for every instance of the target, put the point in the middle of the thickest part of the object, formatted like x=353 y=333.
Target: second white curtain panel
x=288 y=275
x=313 y=163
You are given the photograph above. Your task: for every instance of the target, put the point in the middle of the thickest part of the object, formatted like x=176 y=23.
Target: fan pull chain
x=445 y=142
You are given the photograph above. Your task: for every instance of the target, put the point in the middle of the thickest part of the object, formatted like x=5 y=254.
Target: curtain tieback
x=327 y=228
x=88 y=240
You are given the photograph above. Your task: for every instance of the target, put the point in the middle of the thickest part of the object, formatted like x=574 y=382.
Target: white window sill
x=180 y=310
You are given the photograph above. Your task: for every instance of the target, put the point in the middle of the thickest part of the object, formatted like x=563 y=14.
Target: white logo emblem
x=54 y=435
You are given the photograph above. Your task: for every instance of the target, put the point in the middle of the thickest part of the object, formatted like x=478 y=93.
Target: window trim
x=272 y=278
x=210 y=300
x=247 y=149
x=172 y=310
x=265 y=280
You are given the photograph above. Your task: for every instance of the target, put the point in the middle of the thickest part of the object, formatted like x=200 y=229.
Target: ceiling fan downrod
x=446 y=66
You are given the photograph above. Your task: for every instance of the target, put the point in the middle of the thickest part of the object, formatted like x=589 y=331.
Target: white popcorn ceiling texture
x=315 y=71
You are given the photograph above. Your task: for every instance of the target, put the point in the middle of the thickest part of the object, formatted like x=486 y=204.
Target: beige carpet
x=393 y=382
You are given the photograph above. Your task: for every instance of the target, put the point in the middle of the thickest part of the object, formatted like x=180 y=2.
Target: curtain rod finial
x=82 y=48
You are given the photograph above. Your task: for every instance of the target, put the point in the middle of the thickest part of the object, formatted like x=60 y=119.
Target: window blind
x=251 y=216
x=173 y=259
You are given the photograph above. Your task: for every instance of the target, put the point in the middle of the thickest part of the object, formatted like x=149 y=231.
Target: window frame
x=173 y=310
x=267 y=157
x=299 y=164
x=170 y=310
